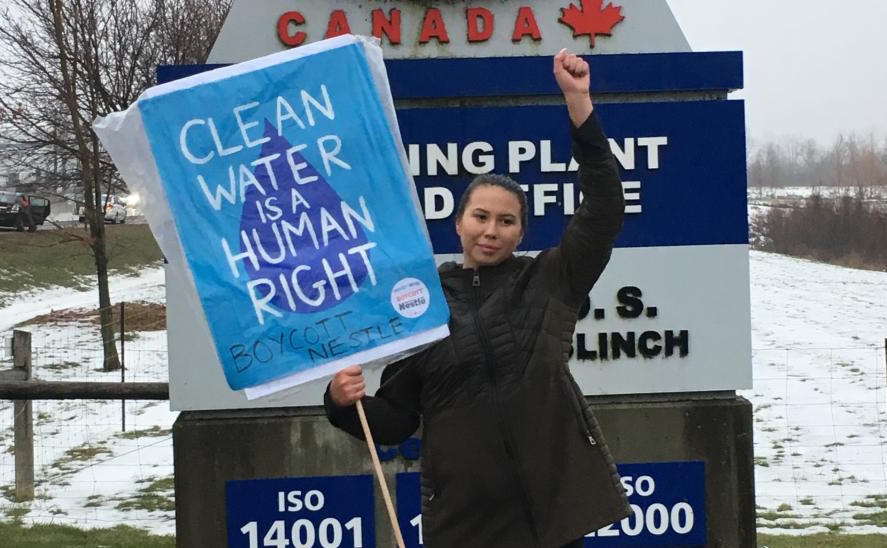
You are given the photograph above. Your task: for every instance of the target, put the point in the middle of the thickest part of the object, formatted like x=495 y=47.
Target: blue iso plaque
x=329 y=512
x=409 y=508
x=668 y=507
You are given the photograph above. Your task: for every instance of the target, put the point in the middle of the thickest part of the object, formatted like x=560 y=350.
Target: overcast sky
x=813 y=68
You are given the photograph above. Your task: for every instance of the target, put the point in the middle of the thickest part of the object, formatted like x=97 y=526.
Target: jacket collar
x=453 y=275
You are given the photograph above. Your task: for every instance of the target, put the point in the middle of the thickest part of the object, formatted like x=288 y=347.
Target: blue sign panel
x=667 y=500
x=683 y=168
x=482 y=77
x=627 y=73
x=409 y=508
x=329 y=512
x=668 y=507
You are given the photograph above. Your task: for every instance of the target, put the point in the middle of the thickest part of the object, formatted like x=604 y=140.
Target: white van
x=115 y=209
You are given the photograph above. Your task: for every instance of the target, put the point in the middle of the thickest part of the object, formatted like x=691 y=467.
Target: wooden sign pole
x=378 y=467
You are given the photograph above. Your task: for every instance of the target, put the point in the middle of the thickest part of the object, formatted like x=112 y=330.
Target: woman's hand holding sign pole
x=347 y=388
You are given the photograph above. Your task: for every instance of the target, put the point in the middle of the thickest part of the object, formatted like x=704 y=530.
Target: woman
x=511 y=455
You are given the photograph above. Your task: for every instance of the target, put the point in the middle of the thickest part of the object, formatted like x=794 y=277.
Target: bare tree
x=869 y=169
x=66 y=62
x=756 y=172
x=837 y=160
x=773 y=169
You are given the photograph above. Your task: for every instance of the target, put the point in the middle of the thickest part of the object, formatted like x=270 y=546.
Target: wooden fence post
x=24 y=425
x=122 y=364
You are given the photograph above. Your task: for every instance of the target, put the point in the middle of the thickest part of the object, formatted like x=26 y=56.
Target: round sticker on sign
x=410 y=297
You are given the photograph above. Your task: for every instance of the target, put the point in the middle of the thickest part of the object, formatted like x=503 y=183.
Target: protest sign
x=281 y=186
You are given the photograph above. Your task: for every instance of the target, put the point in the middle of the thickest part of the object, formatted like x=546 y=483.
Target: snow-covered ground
x=89 y=472
x=820 y=378
x=819 y=399
x=801 y=192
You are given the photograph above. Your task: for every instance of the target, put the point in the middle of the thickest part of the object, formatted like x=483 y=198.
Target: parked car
x=115 y=209
x=9 y=208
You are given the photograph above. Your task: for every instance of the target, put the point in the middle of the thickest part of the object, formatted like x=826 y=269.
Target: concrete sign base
x=247 y=478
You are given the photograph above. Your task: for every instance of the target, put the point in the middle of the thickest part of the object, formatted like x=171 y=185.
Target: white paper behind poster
x=270 y=187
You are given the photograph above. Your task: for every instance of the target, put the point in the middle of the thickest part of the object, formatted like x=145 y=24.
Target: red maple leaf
x=591 y=19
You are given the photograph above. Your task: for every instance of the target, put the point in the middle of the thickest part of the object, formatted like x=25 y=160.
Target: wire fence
x=96 y=462
x=820 y=417
x=820 y=437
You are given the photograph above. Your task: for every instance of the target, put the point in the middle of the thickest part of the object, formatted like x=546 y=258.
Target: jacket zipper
x=580 y=415
x=509 y=446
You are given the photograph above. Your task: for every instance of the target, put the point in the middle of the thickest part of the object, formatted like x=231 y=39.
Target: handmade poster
x=281 y=185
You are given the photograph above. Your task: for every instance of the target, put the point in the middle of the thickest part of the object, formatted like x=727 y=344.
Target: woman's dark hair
x=501 y=181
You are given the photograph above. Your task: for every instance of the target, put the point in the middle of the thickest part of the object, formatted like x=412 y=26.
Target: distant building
x=13 y=176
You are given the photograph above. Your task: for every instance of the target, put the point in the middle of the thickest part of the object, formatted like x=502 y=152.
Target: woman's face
x=490 y=228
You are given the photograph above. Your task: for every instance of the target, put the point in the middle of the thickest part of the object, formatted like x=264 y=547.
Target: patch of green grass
x=878 y=519
x=872 y=501
x=773 y=516
x=823 y=540
x=61 y=366
x=150 y=502
x=788 y=524
x=80 y=453
x=762 y=461
x=94 y=501
x=16 y=535
x=16 y=513
x=156 y=496
x=784 y=507
x=55 y=257
x=86 y=452
x=153 y=432
x=806 y=501
x=159 y=484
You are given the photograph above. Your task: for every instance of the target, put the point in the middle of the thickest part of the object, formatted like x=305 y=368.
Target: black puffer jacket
x=512 y=457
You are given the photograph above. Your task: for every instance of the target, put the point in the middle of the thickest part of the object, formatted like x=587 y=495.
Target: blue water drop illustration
x=320 y=196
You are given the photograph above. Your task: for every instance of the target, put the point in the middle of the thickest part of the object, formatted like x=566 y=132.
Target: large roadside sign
x=671 y=312
x=473 y=95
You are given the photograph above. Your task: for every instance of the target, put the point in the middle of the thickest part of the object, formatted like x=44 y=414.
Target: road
x=63 y=214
